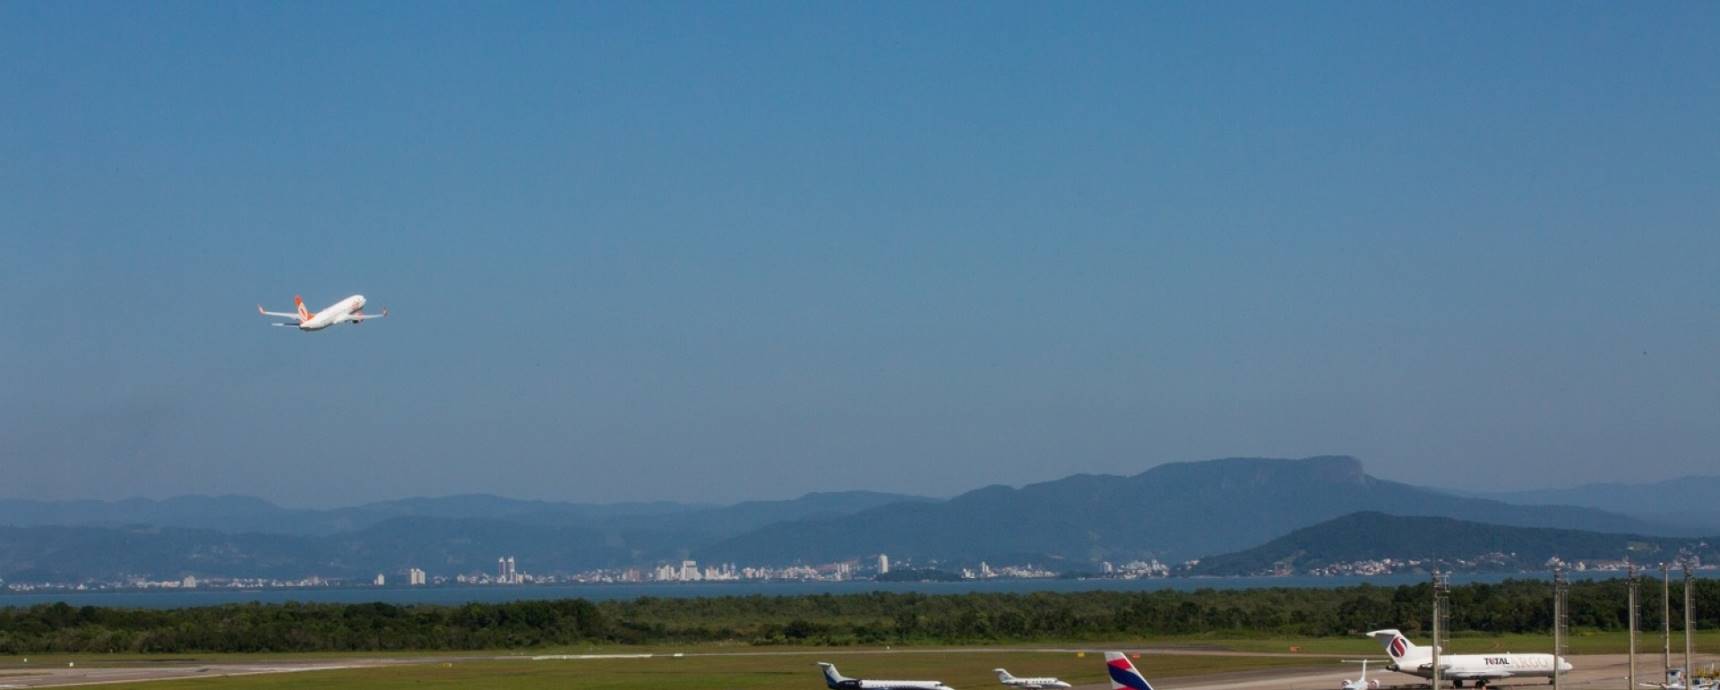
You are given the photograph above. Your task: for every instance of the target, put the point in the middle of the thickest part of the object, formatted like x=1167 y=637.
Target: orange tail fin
x=304 y=314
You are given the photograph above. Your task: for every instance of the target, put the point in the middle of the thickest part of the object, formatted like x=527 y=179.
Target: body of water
x=599 y=592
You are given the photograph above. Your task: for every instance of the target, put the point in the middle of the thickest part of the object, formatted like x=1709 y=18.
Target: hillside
x=1460 y=544
x=1173 y=512
x=443 y=535
x=1683 y=501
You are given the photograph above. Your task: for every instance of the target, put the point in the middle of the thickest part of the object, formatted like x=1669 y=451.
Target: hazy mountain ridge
x=1174 y=511
x=1369 y=536
x=445 y=535
x=1693 y=500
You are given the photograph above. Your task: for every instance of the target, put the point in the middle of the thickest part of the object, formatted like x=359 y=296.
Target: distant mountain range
x=1691 y=501
x=1371 y=536
x=456 y=534
x=1172 y=512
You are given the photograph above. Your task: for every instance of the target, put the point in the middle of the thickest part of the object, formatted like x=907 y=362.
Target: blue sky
x=715 y=251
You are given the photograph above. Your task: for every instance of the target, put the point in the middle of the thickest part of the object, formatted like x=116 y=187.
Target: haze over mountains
x=1370 y=536
x=1172 y=512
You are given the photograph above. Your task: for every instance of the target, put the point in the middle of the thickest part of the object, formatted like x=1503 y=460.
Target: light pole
x=1631 y=587
x=1560 y=587
x=1666 y=620
x=1441 y=586
x=1688 y=628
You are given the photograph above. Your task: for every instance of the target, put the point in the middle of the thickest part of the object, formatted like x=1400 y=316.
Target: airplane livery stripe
x=1122 y=674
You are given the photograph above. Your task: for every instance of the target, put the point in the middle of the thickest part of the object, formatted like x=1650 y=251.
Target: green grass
x=792 y=667
x=794 y=671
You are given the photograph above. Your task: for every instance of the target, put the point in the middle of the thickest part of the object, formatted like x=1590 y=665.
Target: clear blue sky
x=716 y=251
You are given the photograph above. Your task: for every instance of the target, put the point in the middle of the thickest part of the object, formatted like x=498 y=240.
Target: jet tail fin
x=1397 y=646
x=832 y=678
x=1123 y=673
x=1002 y=675
x=304 y=314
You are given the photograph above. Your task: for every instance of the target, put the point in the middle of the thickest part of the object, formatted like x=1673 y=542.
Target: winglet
x=385 y=311
x=260 y=310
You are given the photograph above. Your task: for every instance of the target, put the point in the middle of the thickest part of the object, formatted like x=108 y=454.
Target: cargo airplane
x=1027 y=683
x=1481 y=668
x=836 y=681
x=349 y=310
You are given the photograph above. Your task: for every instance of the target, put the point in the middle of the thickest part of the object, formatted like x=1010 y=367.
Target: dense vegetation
x=877 y=618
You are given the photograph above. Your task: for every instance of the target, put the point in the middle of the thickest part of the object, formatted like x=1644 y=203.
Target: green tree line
x=1518 y=606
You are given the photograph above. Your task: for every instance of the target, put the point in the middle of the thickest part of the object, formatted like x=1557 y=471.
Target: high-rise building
x=690 y=571
x=416 y=577
x=380 y=580
x=883 y=564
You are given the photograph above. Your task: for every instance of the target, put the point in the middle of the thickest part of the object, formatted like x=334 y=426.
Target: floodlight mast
x=1441 y=588
x=1631 y=585
x=1666 y=619
x=1560 y=588
x=1689 y=629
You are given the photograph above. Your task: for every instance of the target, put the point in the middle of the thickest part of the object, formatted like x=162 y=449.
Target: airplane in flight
x=1027 y=683
x=1361 y=683
x=836 y=681
x=1481 y=668
x=1123 y=673
x=349 y=310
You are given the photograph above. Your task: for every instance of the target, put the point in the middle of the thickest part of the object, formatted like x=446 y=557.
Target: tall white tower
x=883 y=564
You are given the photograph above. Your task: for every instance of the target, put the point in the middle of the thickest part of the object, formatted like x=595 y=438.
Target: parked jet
x=1027 y=683
x=349 y=310
x=1361 y=683
x=1676 y=680
x=1481 y=668
x=1123 y=674
x=836 y=681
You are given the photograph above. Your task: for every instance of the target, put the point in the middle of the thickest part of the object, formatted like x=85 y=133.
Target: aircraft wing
x=367 y=317
x=294 y=317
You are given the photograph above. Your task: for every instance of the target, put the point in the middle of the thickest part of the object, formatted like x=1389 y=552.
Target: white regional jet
x=1481 y=668
x=1027 y=683
x=836 y=681
x=349 y=310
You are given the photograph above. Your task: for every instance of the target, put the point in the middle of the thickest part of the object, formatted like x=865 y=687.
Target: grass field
x=772 y=668
x=793 y=671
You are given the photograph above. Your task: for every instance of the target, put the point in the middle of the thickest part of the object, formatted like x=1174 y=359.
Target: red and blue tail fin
x=1123 y=673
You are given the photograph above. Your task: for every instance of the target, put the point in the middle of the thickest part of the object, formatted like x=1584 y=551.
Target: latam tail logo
x=1123 y=673
x=1398 y=646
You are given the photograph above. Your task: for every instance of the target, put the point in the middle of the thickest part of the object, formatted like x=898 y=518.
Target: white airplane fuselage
x=836 y=681
x=1035 y=683
x=339 y=312
x=1485 y=668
